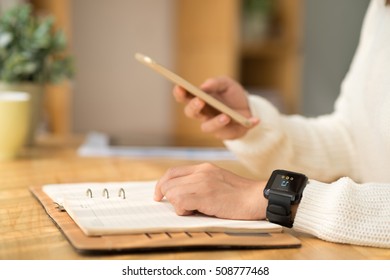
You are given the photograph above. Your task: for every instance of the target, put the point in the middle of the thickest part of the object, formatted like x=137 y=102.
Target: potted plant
x=32 y=55
x=256 y=17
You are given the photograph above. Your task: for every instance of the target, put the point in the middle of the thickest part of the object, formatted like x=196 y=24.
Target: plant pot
x=36 y=92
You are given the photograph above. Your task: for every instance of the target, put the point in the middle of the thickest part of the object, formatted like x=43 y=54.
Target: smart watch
x=283 y=189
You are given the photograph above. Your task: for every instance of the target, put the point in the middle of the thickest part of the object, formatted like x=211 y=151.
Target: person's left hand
x=213 y=191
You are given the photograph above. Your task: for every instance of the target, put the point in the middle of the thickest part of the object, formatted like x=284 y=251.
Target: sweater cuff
x=315 y=209
x=342 y=212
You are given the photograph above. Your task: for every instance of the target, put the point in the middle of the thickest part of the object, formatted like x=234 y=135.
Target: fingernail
x=196 y=103
x=254 y=120
x=223 y=119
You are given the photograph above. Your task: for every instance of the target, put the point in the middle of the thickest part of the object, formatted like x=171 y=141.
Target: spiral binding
x=106 y=193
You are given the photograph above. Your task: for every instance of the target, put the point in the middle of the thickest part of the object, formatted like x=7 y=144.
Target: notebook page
x=138 y=212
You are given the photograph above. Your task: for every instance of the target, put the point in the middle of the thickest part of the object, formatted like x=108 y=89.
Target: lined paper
x=138 y=213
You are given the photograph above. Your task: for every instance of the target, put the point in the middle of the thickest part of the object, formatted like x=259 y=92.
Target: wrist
x=258 y=205
x=262 y=206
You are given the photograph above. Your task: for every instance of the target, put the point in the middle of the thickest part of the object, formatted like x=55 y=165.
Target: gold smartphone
x=194 y=90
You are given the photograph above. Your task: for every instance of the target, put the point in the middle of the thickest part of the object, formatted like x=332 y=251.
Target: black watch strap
x=279 y=210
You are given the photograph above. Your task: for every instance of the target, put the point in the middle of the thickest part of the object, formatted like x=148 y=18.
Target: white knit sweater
x=352 y=143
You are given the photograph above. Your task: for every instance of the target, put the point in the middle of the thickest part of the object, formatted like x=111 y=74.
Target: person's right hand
x=213 y=191
x=220 y=125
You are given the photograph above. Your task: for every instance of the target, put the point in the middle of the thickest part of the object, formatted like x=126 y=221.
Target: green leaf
x=30 y=50
x=5 y=39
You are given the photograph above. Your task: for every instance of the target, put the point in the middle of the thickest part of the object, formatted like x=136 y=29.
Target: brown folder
x=158 y=241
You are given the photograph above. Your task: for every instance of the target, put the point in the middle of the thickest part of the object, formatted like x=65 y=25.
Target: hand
x=212 y=191
x=212 y=121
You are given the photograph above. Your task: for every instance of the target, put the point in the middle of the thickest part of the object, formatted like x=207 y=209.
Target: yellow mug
x=14 y=122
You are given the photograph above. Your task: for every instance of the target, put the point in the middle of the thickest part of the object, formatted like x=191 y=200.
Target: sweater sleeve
x=319 y=147
x=346 y=212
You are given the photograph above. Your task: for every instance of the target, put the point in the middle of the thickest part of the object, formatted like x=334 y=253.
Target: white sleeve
x=346 y=212
x=319 y=147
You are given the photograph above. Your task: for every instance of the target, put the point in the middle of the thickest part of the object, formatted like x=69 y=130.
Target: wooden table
x=26 y=232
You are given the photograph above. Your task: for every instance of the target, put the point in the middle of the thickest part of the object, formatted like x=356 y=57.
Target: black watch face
x=286 y=182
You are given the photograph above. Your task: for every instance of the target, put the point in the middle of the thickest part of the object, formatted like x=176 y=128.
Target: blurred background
x=293 y=52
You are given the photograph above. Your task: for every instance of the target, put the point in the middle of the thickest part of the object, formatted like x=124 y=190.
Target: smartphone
x=194 y=90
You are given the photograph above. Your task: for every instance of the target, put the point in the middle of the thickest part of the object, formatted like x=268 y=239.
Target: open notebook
x=128 y=208
x=149 y=225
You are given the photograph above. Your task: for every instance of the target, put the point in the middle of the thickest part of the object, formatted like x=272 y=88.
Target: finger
x=181 y=95
x=182 y=196
x=226 y=129
x=215 y=124
x=194 y=107
x=218 y=84
x=254 y=121
x=186 y=207
x=183 y=212
x=221 y=121
x=171 y=173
